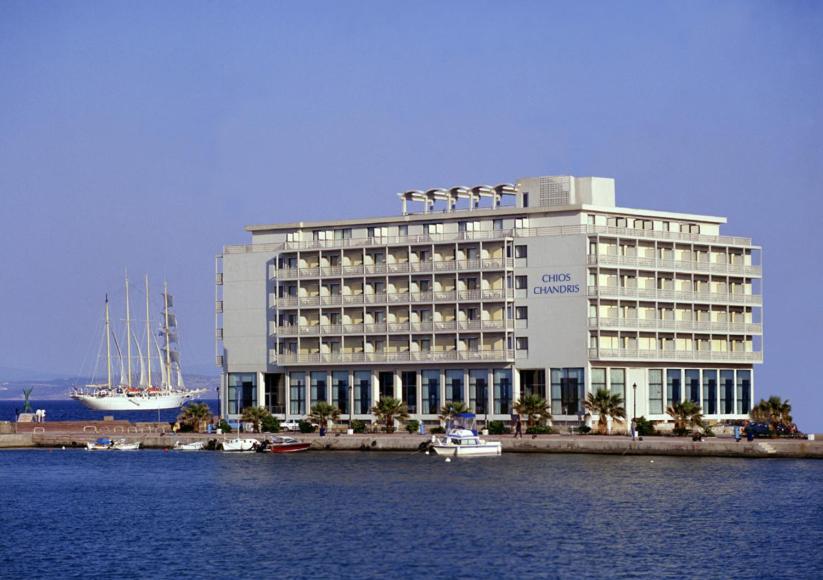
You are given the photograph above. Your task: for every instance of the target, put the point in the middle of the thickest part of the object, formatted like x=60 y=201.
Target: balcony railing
x=676 y=325
x=395 y=327
x=396 y=357
x=675 y=265
x=485 y=235
x=674 y=355
x=426 y=266
x=383 y=298
x=675 y=296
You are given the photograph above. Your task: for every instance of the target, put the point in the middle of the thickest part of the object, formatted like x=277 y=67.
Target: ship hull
x=137 y=403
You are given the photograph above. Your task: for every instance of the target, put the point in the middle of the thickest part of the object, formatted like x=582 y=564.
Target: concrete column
x=261 y=389
x=515 y=385
x=287 y=393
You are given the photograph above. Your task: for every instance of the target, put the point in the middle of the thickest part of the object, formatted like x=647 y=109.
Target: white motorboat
x=238 y=445
x=101 y=444
x=122 y=445
x=194 y=446
x=149 y=392
x=464 y=443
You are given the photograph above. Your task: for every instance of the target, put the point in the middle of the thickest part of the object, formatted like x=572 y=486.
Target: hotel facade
x=486 y=294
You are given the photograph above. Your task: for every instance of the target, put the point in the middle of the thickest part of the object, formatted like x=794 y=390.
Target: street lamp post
x=634 y=400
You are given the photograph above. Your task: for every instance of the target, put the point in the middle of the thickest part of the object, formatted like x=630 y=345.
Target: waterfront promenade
x=157 y=436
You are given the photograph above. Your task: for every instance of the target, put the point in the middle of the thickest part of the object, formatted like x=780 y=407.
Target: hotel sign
x=556 y=283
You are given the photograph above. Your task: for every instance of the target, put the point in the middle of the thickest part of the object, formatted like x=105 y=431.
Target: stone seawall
x=673 y=446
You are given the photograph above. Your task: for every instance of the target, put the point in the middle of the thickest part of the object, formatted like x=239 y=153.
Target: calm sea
x=69 y=410
x=154 y=514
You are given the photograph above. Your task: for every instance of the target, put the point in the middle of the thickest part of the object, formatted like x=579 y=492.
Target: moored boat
x=122 y=445
x=101 y=444
x=461 y=440
x=194 y=446
x=285 y=444
x=238 y=445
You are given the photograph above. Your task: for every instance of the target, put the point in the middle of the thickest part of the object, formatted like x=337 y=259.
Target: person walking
x=737 y=433
x=634 y=429
x=518 y=427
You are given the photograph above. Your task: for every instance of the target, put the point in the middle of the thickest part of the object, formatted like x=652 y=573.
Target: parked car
x=290 y=425
x=758 y=429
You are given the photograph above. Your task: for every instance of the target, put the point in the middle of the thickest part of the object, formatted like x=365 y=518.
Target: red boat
x=284 y=444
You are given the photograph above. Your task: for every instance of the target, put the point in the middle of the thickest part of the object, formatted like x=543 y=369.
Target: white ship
x=149 y=393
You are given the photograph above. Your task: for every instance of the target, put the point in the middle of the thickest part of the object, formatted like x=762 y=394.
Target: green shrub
x=437 y=430
x=358 y=426
x=224 y=426
x=497 y=428
x=681 y=431
x=305 y=427
x=270 y=424
x=539 y=430
x=583 y=429
x=644 y=427
x=412 y=426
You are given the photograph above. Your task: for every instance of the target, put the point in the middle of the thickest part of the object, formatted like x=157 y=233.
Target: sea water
x=70 y=410
x=155 y=514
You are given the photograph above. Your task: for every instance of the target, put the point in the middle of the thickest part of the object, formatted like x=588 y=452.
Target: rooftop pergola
x=453 y=194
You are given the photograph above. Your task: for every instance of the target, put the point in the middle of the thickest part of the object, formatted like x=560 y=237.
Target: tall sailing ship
x=163 y=389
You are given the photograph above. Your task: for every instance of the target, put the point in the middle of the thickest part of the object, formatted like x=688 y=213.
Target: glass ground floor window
x=362 y=392
x=340 y=390
x=319 y=392
x=408 y=386
x=656 y=391
x=297 y=393
x=242 y=393
x=430 y=394
x=566 y=385
x=479 y=391
x=717 y=391
x=710 y=392
x=673 y=380
x=744 y=392
x=693 y=385
x=502 y=391
x=454 y=385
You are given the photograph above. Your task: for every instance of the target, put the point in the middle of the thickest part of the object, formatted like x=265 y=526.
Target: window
x=408 y=386
x=617 y=222
x=454 y=385
x=242 y=392
x=655 y=391
x=497 y=225
x=297 y=391
x=590 y=219
x=502 y=391
x=673 y=380
x=521 y=251
x=521 y=282
x=378 y=232
x=744 y=392
x=693 y=385
x=433 y=229
x=340 y=390
x=479 y=391
x=710 y=392
x=727 y=392
x=618 y=383
x=362 y=392
x=318 y=387
x=598 y=379
x=522 y=343
x=521 y=223
x=521 y=312
x=566 y=385
x=430 y=393
x=386 y=382
x=403 y=230
x=525 y=199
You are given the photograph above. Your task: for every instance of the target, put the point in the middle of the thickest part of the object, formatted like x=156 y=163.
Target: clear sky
x=145 y=135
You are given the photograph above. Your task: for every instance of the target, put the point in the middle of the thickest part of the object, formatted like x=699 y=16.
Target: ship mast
x=148 y=331
x=108 y=345
x=128 y=330
x=166 y=330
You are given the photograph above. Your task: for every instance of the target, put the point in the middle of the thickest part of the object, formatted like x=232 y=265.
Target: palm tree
x=774 y=411
x=452 y=409
x=535 y=408
x=195 y=414
x=388 y=409
x=686 y=415
x=606 y=405
x=323 y=412
x=255 y=415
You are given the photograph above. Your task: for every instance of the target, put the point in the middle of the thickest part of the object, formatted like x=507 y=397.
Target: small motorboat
x=238 y=445
x=461 y=440
x=102 y=444
x=122 y=445
x=195 y=446
x=284 y=444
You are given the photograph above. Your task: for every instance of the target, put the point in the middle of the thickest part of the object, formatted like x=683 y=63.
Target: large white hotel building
x=484 y=294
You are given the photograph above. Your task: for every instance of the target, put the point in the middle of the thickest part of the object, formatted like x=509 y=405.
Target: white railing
x=674 y=296
x=674 y=355
x=490 y=235
x=395 y=357
x=678 y=265
x=426 y=266
x=674 y=325
x=394 y=327
x=391 y=298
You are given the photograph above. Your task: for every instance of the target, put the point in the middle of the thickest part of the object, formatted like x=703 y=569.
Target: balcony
x=290 y=359
x=396 y=327
x=427 y=266
x=426 y=239
x=674 y=355
x=384 y=298
x=653 y=325
x=675 y=296
x=675 y=265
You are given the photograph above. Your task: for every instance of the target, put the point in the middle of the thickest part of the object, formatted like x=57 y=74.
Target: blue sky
x=146 y=135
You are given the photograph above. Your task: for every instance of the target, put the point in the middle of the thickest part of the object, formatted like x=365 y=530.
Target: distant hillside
x=60 y=387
